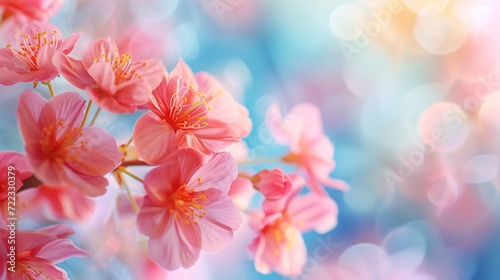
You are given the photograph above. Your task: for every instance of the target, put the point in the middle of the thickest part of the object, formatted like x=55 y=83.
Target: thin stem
x=51 y=88
x=131 y=174
x=86 y=113
x=133 y=203
x=256 y=161
x=242 y=175
x=129 y=142
x=95 y=116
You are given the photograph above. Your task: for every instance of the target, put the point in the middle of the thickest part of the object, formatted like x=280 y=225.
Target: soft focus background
x=408 y=93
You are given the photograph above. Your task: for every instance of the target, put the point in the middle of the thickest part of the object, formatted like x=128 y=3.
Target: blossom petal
x=219 y=172
x=99 y=50
x=104 y=76
x=89 y=185
x=152 y=218
x=35 y=266
x=68 y=107
x=313 y=212
x=61 y=250
x=154 y=139
x=58 y=231
x=66 y=202
x=218 y=225
x=132 y=93
x=30 y=106
x=73 y=71
x=99 y=153
x=158 y=186
x=46 y=70
x=106 y=101
x=151 y=72
x=217 y=135
x=69 y=43
x=171 y=251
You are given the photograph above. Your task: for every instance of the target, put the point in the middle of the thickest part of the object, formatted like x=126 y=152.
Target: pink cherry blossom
x=37 y=252
x=310 y=148
x=186 y=208
x=189 y=111
x=58 y=150
x=20 y=172
x=370 y=261
x=273 y=184
x=29 y=10
x=29 y=58
x=279 y=245
x=111 y=79
x=241 y=192
x=61 y=202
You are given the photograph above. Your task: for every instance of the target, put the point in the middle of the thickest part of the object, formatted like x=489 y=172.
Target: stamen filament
x=51 y=88
x=122 y=169
x=86 y=113
x=133 y=203
x=129 y=142
x=241 y=175
x=95 y=116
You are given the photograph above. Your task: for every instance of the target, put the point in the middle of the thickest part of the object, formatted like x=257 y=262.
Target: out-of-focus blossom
x=310 y=148
x=29 y=10
x=186 y=208
x=14 y=167
x=238 y=150
x=61 y=152
x=279 y=245
x=37 y=252
x=118 y=240
x=241 y=192
x=273 y=184
x=189 y=111
x=113 y=81
x=63 y=202
x=29 y=58
x=368 y=261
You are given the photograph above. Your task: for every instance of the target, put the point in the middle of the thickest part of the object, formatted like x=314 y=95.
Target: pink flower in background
x=273 y=184
x=21 y=172
x=58 y=150
x=29 y=59
x=279 y=245
x=189 y=111
x=40 y=10
x=368 y=261
x=37 y=252
x=186 y=208
x=62 y=202
x=241 y=192
x=310 y=148
x=113 y=81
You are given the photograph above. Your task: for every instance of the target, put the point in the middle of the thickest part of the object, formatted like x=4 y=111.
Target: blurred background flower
x=408 y=92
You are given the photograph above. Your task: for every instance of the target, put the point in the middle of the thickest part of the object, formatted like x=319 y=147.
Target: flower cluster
x=194 y=193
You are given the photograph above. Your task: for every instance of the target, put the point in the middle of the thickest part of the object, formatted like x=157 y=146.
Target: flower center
x=292 y=158
x=188 y=109
x=30 y=46
x=122 y=65
x=30 y=270
x=280 y=233
x=58 y=138
x=187 y=205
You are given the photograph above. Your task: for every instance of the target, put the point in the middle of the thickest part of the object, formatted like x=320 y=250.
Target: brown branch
x=133 y=163
x=30 y=183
